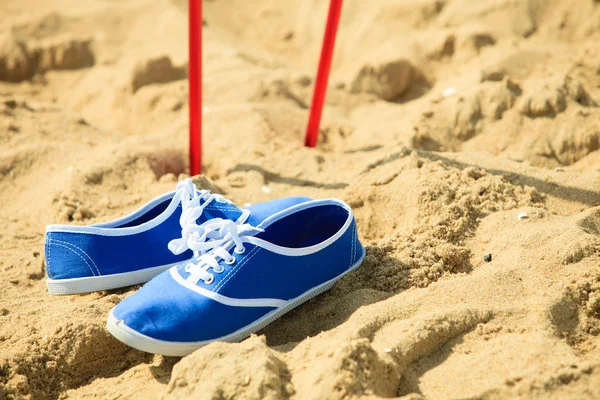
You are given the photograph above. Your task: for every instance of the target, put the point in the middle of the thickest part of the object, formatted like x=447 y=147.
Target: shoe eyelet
x=242 y=251
x=187 y=268
x=230 y=262
x=210 y=280
x=218 y=271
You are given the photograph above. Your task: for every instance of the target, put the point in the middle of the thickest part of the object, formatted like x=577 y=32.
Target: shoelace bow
x=212 y=240
x=221 y=236
x=193 y=203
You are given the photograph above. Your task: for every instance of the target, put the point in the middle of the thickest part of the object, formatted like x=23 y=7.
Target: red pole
x=316 y=108
x=195 y=85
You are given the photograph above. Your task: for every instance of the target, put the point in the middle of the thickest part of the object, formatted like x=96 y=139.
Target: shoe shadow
x=333 y=308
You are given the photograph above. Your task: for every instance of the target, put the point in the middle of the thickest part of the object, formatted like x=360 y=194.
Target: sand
x=445 y=120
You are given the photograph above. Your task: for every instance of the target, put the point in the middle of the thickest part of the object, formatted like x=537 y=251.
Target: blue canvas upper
x=139 y=240
x=292 y=252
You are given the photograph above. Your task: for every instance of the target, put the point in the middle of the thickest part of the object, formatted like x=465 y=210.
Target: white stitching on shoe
x=224 y=207
x=352 y=248
x=354 y=244
x=216 y=289
x=48 y=261
x=86 y=263
x=83 y=251
x=234 y=270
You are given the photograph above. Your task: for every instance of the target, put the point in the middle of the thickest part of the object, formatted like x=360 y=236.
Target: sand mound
x=465 y=137
x=262 y=379
x=387 y=80
x=544 y=107
x=156 y=70
x=15 y=62
x=20 y=61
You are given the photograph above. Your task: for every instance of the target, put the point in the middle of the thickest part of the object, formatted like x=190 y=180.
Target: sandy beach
x=465 y=136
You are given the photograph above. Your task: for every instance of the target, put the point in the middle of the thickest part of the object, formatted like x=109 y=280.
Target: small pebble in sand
x=387 y=350
x=247 y=204
x=69 y=169
x=266 y=189
x=449 y=92
x=523 y=215
x=559 y=169
x=487 y=257
x=205 y=110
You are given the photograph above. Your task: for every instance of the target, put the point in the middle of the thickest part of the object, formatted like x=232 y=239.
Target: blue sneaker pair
x=230 y=271
x=244 y=277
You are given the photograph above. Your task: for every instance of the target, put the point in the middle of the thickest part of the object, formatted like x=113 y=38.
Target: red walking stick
x=316 y=108
x=195 y=85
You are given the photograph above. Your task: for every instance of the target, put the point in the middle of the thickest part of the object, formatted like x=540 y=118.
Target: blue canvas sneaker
x=243 y=280
x=137 y=247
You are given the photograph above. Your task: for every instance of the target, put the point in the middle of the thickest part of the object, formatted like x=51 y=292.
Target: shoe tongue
x=221 y=210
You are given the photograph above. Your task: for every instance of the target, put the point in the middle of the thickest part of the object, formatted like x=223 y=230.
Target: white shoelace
x=221 y=236
x=193 y=203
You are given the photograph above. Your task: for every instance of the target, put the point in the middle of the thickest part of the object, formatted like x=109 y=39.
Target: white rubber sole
x=179 y=349
x=106 y=282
